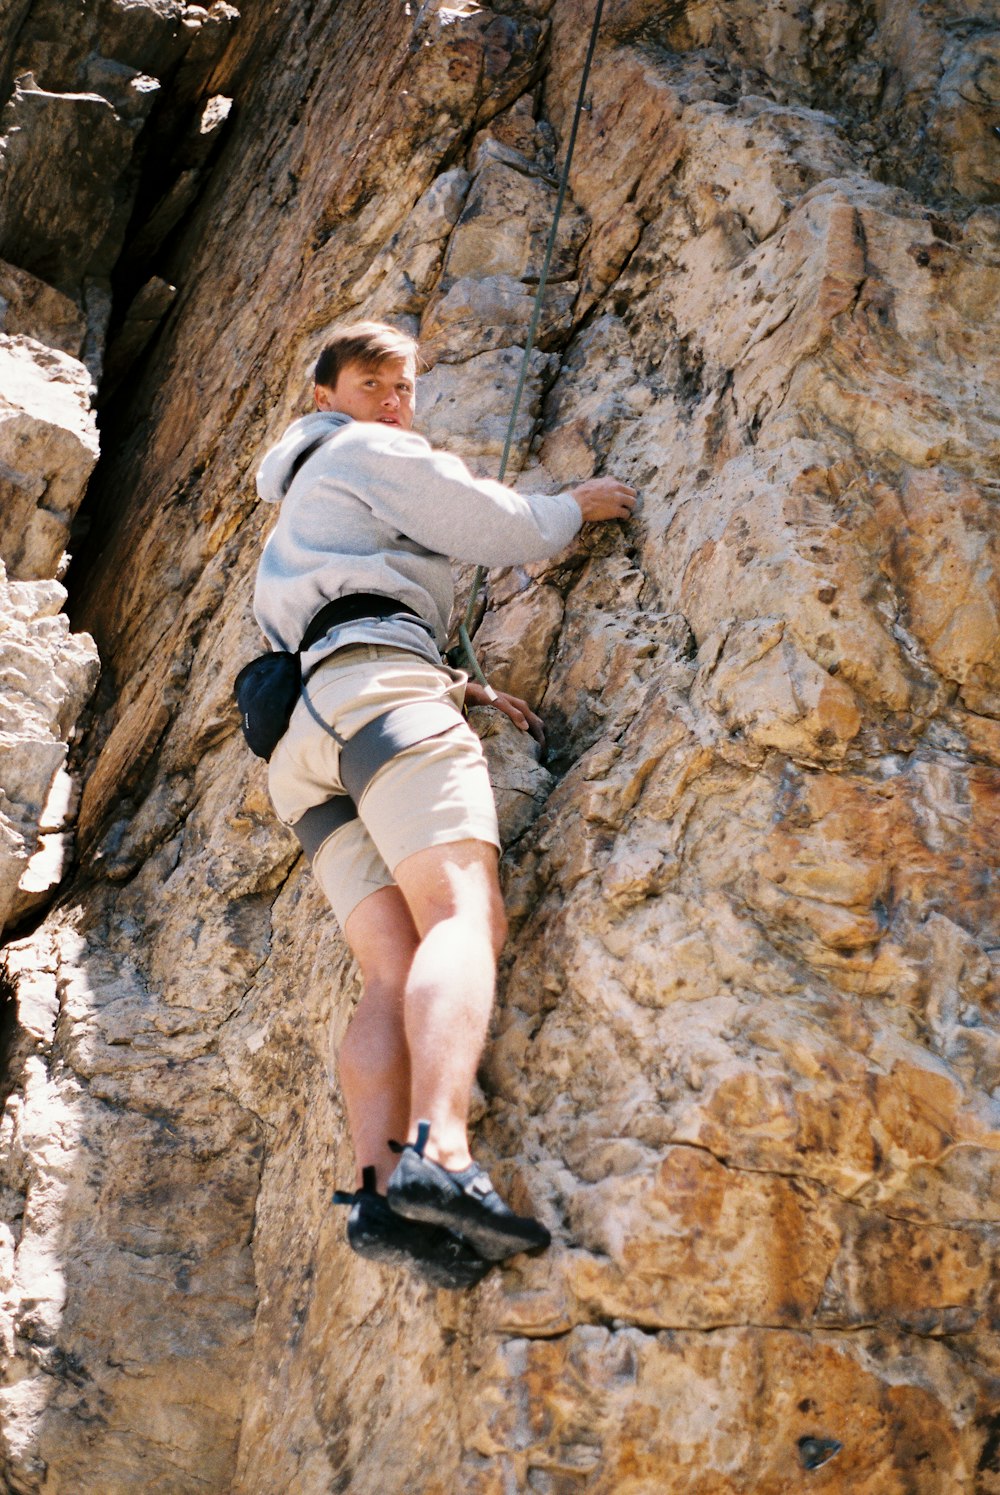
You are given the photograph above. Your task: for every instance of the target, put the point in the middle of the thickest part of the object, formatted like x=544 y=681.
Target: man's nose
x=391 y=397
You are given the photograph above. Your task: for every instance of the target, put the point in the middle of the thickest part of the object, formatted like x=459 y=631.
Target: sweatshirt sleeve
x=432 y=497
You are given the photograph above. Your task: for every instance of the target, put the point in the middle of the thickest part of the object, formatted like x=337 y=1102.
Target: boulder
x=47 y=675
x=48 y=448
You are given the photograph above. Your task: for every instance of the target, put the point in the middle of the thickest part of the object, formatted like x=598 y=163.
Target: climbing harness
x=536 y=311
x=361 y=757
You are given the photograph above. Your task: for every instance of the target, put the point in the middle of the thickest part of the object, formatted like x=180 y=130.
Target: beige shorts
x=430 y=794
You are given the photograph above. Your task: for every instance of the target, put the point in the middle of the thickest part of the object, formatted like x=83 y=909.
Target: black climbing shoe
x=377 y=1233
x=464 y=1201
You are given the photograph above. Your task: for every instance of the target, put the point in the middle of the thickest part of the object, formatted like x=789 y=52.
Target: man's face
x=384 y=394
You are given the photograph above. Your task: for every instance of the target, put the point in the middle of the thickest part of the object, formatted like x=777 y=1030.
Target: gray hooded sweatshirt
x=378 y=509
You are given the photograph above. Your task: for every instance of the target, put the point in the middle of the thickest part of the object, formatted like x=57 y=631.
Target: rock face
x=79 y=169
x=46 y=677
x=745 y=1054
x=48 y=447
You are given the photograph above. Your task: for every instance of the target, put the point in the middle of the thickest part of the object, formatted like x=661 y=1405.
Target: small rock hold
x=826 y=592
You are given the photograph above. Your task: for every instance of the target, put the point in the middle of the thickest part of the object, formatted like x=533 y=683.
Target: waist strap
x=348 y=609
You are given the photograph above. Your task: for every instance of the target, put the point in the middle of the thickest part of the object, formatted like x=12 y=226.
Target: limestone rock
x=948 y=572
x=745 y=1050
x=516 y=138
x=188 y=170
x=150 y=36
x=51 y=1289
x=404 y=271
x=471 y=402
x=504 y=226
x=144 y=315
x=12 y=15
x=117 y=49
x=30 y=308
x=814 y=1390
x=485 y=295
x=46 y=677
x=964 y=127
x=475 y=314
x=50 y=862
x=521 y=785
x=516 y=640
x=48 y=447
x=63 y=155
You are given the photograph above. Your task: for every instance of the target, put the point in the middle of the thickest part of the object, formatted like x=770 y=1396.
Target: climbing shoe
x=463 y=1201
x=377 y=1233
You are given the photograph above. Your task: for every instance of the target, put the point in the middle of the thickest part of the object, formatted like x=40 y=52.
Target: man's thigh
x=458 y=879
x=350 y=870
x=417 y=810
x=432 y=795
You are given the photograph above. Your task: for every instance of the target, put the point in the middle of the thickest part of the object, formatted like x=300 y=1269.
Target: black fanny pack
x=268 y=688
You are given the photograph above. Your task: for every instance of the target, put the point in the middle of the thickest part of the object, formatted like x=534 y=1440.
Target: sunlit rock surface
x=48 y=447
x=744 y=1060
x=46 y=677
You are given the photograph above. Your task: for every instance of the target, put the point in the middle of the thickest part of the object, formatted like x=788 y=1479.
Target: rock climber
x=370 y=514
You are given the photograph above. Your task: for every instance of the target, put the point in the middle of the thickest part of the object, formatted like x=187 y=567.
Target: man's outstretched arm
x=432 y=497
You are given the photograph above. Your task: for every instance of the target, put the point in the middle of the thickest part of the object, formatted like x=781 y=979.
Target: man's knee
x=480 y=908
x=455 y=881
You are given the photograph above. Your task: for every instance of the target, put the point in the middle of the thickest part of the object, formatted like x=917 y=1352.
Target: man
x=370 y=515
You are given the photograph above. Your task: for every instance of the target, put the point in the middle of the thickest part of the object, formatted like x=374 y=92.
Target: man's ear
x=323 y=397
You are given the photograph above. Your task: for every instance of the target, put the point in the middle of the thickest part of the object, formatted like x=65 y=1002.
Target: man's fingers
x=529 y=722
x=522 y=716
x=535 y=726
x=615 y=489
x=511 y=707
x=605 y=498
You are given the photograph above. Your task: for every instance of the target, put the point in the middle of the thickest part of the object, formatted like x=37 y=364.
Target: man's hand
x=604 y=498
x=519 y=711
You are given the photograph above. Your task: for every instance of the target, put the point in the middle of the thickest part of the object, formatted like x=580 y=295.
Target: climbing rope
x=536 y=311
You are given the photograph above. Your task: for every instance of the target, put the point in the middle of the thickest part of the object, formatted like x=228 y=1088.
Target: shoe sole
x=453 y=1277
x=370 y=1241
x=491 y=1238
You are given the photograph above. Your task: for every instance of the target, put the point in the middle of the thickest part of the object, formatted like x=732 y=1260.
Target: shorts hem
x=448 y=838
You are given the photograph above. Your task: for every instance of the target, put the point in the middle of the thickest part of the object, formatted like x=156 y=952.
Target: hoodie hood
x=274 y=476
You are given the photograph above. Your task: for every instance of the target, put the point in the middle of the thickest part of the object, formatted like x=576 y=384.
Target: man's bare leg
x=373 y=1059
x=453 y=894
